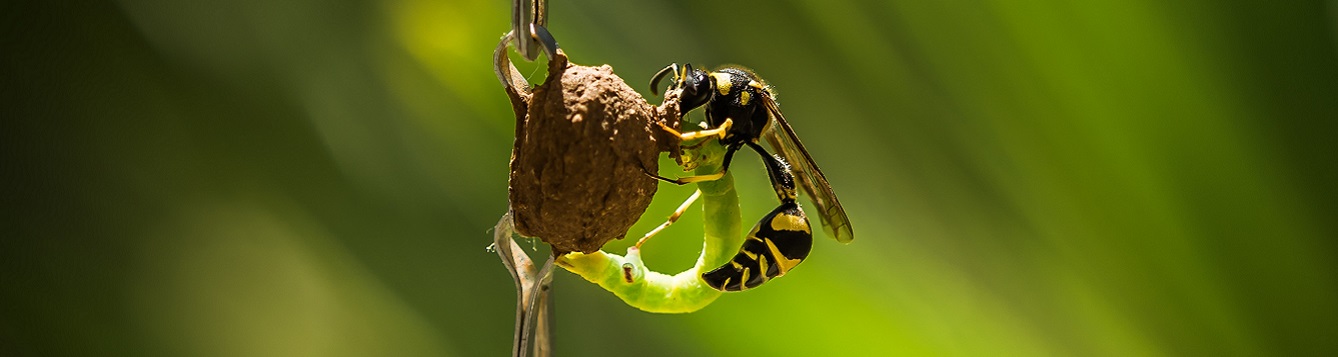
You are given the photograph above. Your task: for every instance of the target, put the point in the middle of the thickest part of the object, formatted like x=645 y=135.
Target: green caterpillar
x=629 y=278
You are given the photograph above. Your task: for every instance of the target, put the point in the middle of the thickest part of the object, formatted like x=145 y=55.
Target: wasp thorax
x=582 y=150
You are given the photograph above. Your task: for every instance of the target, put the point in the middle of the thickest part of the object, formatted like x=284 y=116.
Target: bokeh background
x=318 y=178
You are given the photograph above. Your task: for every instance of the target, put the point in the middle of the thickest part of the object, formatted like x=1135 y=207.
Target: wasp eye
x=696 y=90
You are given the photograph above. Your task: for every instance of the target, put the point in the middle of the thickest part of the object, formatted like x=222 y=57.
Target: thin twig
x=537 y=313
x=533 y=305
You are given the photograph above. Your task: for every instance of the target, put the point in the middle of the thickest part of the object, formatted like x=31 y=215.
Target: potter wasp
x=741 y=109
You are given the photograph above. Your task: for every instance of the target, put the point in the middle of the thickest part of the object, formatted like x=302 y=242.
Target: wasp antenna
x=655 y=81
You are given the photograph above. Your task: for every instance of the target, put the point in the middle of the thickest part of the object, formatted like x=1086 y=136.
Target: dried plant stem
x=533 y=302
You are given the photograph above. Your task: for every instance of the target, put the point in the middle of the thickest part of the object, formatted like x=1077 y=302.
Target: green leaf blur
x=318 y=178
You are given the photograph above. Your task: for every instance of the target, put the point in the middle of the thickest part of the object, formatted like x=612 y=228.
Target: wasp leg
x=694 y=135
x=672 y=218
x=724 y=167
x=782 y=180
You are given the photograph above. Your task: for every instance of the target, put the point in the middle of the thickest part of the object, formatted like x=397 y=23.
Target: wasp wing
x=782 y=138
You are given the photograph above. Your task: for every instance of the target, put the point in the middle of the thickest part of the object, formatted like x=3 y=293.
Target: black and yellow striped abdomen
x=778 y=243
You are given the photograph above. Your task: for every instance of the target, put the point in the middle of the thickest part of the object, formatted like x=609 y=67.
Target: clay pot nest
x=584 y=143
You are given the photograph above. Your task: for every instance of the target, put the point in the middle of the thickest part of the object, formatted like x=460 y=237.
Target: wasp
x=741 y=110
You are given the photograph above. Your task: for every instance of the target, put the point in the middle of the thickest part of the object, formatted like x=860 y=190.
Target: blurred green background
x=318 y=178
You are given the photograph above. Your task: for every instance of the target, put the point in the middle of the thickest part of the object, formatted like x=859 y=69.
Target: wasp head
x=696 y=84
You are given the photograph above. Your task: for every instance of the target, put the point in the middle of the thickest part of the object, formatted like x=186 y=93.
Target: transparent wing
x=782 y=138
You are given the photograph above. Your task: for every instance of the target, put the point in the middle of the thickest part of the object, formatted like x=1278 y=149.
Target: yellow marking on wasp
x=790 y=222
x=756 y=84
x=783 y=262
x=743 y=280
x=762 y=263
x=744 y=97
x=723 y=82
x=750 y=255
x=786 y=194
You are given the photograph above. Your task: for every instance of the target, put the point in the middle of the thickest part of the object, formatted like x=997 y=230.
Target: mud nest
x=584 y=143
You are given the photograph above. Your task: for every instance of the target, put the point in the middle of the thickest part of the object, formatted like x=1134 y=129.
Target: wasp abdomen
x=778 y=243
